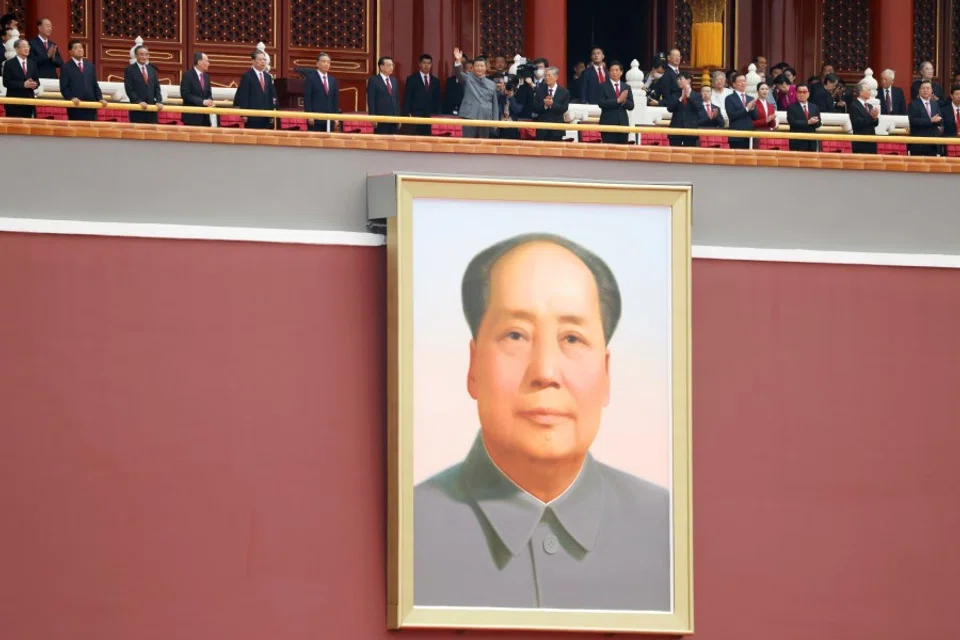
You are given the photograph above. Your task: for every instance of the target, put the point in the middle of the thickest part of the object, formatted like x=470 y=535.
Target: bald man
x=530 y=519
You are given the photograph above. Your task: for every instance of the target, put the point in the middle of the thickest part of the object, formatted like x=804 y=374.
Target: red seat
x=230 y=122
x=891 y=149
x=590 y=136
x=166 y=117
x=112 y=115
x=51 y=113
x=774 y=144
x=447 y=130
x=836 y=146
x=716 y=142
x=293 y=124
x=654 y=140
x=953 y=151
x=356 y=126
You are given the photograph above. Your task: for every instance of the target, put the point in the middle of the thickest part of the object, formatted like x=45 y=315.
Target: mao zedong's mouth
x=546 y=417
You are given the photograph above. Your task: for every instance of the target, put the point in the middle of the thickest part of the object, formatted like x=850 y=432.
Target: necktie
x=389 y=86
x=684 y=99
x=24 y=63
x=806 y=114
x=927 y=105
x=956 y=121
x=616 y=88
x=709 y=110
x=326 y=88
x=551 y=92
x=600 y=74
x=80 y=64
x=201 y=81
x=263 y=86
x=146 y=79
x=743 y=98
x=426 y=81
x=889 y=102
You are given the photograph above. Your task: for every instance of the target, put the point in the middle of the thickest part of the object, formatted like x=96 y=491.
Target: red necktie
x=24 y=63
x=201 y=82
x=426 y=82
x=806 y=114
x=263 y=85
x=600 y=73
x=326 y=89
x=146 y=79
x=389 y=86
x=743 y=98
x=684 y=99
x=80 y=64
x=927 y=105
x=709 y=111
x=889 y=102
x=616 y=88
x=956 y=121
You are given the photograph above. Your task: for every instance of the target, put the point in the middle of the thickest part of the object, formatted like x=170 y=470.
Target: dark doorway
x=622 y=28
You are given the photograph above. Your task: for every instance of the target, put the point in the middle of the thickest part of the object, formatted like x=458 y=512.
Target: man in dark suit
x=593 y=77
x=141 y=83
x=321 y=94
x=453 y=90
x=256 y=91
x=615 y=99
x=803 y=116
x=20 y=77
x=709 y=115
x=892 y=102
x=925 y=120
x=864 y=118
x=78 y=82
x=551 y=103
x=421 y=94
x=383 y=96
x=821 y=94
x=741 y=111
x=44 y=51
x=926 y=74
x=195 y=90
x=951 y=115
x=667 y=85
x=684 y=112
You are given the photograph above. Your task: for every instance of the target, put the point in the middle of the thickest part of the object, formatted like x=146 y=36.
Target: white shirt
x=386 y=80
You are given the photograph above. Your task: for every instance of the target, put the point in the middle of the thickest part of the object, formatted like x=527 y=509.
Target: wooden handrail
x=498 y=124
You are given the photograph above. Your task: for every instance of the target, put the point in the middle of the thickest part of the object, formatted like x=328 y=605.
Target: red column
x=58 y=12
x=891 y=39
x=545 y=33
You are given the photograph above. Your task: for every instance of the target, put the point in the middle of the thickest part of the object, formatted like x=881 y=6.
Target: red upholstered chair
x=891 y=149
x=166 y=117
x=447 y=130
x=715 y=142
x=654 y=140
x=774 y=144
x=293 y=124
x=590 y=136
x=836 y=146
x=51 y=113
x=356 y=126
x=528 y=134
x=111 y=115
x=3 y=112
x=953 y=151
x=230 y=122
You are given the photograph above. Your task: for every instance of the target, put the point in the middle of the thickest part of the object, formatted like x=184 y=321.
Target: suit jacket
x=713 y=121
x=481 y=541
x=379 y=101
x=193 y=96
x=685 y=115
x=823 y=99
x=950 y=120
x=667 y=85
x=139 y=91
x=479 y=97
x=898 y=102
x=13 y=77
x=763 y=110
x=937 y=91
x=611 y=111
x=561 y=102
x=417 y=99
x=316 y=99
x=921 y=124
x=452 y=95
x=740 y=118
x=863 y=124
x=798 y=122
x=74 y=84
x=249 y=95
x=46 y=66
x=590 y=85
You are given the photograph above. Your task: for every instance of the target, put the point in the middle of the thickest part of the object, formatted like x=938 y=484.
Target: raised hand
x=457 y=55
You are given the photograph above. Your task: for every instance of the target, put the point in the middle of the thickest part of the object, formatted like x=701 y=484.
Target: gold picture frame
x=395 y=200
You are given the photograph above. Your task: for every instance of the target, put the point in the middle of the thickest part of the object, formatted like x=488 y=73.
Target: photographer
x=479 y=95
x=530 y=77
x=510 y=108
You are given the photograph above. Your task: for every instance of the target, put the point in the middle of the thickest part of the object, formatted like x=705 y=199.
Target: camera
x=514 y=80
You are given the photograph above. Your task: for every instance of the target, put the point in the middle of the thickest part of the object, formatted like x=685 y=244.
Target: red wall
x=192 y=445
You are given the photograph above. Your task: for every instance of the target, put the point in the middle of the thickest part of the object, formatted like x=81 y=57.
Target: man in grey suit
x=530 y=519
x=479 y=95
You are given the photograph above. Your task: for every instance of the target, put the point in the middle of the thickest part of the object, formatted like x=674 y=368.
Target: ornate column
x=891 y=39
x=58 y=12
x=545 y=34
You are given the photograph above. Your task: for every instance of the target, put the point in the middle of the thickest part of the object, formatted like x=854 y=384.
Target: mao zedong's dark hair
x=475 y=289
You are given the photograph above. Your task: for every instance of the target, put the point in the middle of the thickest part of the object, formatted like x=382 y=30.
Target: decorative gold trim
x=356 y=96
x=349 y=65
x=402 y=613
x=376 y=45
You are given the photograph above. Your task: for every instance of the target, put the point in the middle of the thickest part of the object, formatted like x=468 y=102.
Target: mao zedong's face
x=539 y=366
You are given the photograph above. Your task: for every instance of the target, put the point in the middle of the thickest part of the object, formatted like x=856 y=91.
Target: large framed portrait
x=539 y=404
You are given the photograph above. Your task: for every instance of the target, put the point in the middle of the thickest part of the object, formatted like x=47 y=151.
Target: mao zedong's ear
x=471 y=378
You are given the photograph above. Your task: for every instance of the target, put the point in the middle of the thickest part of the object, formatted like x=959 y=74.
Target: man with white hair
x=892 y=101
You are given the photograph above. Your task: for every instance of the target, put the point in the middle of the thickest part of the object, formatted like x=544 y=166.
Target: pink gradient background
x=634 y=241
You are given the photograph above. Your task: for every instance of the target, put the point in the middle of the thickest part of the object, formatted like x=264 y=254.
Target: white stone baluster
x=753 y=80
x=637 y=115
